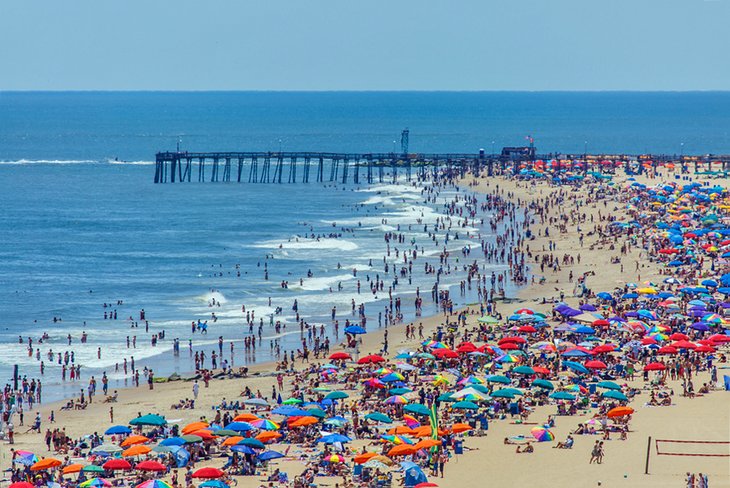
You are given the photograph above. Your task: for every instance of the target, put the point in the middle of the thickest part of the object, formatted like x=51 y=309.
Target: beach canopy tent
x=150 y=419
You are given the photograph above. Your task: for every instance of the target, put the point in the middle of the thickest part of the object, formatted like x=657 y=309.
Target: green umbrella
x=379 y=417
x=514 y=391
x=488 y=319
x=92 y=468
x=150 y=419
x=226 y=433
x=425 y=355
x=465 y=405
x=523 y=370
x=480 y=388
x=417 y=408
x=498 y=379
x=399 y=391
x=609 y=385
x=251 y=442
x=504 y=393
x=545 y=384
x=292 y=401
x=337 y=395
x=562 y=395
x=446 y=397
x=316 y=412
x=191 y=438
x=616 y=395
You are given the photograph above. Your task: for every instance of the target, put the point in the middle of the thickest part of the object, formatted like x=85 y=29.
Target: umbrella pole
x=648 y=453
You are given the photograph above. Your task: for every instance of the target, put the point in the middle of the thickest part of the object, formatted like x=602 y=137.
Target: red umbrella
x=595 y=364
x=425 y=485
x=485 y=348
x=208 y=473
x=601 y=323
x=509 y=346
x=704 y=349
x=667 y=350
x=340 y=355
x=151 y=466
x=683 y=345
x=22 y=484
x=445 y=353
x=654 y=367
x=515 y=339
x=647 y=341
x=719 y=338
x=372 y=358
x=466 y=347
x=116 y=464
x=527 y=329
x=541 y=370
x=603 y=348
x=678 y=336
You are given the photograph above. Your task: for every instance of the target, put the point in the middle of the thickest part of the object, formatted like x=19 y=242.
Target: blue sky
x=373 y=45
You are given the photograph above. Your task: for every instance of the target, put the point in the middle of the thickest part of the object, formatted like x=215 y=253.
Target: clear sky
x=364 y=45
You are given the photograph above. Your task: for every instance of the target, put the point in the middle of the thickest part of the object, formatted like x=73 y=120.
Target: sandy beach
x=486 y=460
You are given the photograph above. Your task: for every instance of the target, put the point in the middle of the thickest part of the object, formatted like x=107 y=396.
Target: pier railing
x=294 y=167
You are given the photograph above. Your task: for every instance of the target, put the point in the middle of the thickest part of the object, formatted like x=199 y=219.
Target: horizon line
x=145 y=90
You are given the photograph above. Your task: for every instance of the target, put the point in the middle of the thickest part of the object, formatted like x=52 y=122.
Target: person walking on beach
x=196 y=389
x=594 y=453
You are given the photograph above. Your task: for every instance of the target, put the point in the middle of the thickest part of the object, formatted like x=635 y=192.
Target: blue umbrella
x=290 y=411
x=616 y=395
x=575 y=366
x=213 y=484
x=585 y=330
x=604 y=295
x=118 y=429
x=173 y=441
x=243 y=449
x=269 y=455
x=417 y=408
x=240 y=426
x=630 y=295
x=332 y=438
x=355 y=329
x=562 y=395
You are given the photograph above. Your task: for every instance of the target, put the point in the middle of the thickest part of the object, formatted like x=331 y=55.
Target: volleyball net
x=676 y=447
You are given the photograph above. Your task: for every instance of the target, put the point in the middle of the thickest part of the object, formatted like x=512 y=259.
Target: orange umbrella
x=206 y=435
x=232 y=441
x=46 y=463
x=401 y=429
x=620 y=412
x=304 y=421
x=425 y=431
x=401 y=450
x=245 y=417
x=363 y=458
x=134 y=439
x=72 y=468
x=190 y=428
x=137 y=450
x=427 y=443
x=459 y=428
x=268 y=435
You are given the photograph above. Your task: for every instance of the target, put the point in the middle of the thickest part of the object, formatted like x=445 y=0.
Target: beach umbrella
x=465 y=405
x=292 y=401
x=355 y=330
x=21 y=484
x=25 y=457
x=118 y=429
x=400 y=430
x=609 y=385
x=268 y=435
x=252 y=442
x=269 y=455
x=542 y=434
x=316 y=412
x=265 y=424
x=95 y=483
x=619 y=412
x=116 y=464
x=417 y=408
x=526 y=370
x=379 y=417
x=459 y=428
x=239 y=426
x=595 y=364
x=243 y=449
x=173 y=441
x=427 y=444
x=575 y=366
x=72 y=468
x=334 y=438
x=401 y=450
x=213 y=484
x=396 y=400
x=232 y=441
x=134 y=439
x=337 y=395
x=545 y=384
x=364 y=457
x=399 y=391
x=256 y=402
x=371 y=359
x=245 y=417
x=290 y=411
x=225 y=433
x=151 y=466
x=208 y=473
x=194 y=426
x=616 y=395
x=498 y=379
x=340 y=356
x=503 y=393
x=335 y=458
x=156 y=484
x=45 y=463
x=150 y=419
x=562 y=395
x=488 y=319
x=137 y=450
x=93 y=468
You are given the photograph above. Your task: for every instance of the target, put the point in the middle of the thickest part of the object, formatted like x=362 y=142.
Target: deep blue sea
x=79 y=229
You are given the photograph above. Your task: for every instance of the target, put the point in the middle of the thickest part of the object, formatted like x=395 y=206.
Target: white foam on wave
x=300 y=243
x=48 y=161
x=131 y=163
x=321 y=283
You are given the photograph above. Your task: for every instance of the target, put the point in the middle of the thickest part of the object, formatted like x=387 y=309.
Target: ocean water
x=79 y=229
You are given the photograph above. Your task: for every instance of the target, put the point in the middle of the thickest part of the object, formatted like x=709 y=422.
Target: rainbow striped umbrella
x=397 y=439
x=264 y=424
x=154 y=484
x=542 y=434
x=396 y=400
